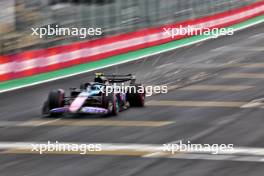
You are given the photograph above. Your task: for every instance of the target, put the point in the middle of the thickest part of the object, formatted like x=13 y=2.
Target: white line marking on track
x=247 y=154
x=258 y=103
x=83 y=123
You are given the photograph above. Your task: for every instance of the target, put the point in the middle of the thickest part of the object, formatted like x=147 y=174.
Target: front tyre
x=116 y=107
x=111 y=103
x=55 y=100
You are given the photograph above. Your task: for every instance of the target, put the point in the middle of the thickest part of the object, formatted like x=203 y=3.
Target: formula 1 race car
x=107 y=95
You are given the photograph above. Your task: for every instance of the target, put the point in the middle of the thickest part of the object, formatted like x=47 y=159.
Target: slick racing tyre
x=111 y=103
x=137 y=98
x=56 y=100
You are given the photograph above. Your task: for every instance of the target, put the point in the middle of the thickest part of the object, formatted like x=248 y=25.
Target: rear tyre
x=137 y=98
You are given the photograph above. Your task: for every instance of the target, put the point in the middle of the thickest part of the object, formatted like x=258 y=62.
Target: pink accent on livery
x=78 y=102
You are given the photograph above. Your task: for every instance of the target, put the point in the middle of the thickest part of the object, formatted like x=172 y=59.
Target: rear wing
x=117 y=78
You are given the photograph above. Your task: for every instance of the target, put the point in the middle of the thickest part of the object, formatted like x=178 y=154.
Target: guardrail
x=46 y=60
x=113 y=16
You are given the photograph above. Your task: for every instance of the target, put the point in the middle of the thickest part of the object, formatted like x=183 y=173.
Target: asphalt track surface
x=209 y=82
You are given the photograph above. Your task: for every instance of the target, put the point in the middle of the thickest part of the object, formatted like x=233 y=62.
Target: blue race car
x=95 y=98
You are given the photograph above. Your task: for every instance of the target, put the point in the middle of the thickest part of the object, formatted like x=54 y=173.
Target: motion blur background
x=216 y=88
x=17 y=17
